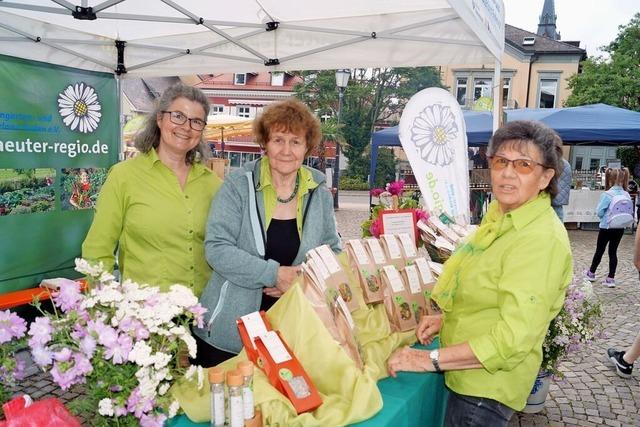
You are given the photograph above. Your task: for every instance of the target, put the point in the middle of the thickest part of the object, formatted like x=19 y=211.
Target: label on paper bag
x=413 y=279
x=392 y=245
x=394 y=278
x=408 y=245
x=359 y=251
x=425 y=271
x=318 y=265
x=275 y=347
x=376 y=251
x=255 y=325
x=345 y=310
x=328 y=258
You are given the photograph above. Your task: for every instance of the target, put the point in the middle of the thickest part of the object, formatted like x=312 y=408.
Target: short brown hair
x=289 y=115
x=525 y=132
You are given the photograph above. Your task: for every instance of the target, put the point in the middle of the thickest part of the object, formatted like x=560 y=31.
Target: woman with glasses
x=499 y=291
x=152 y=209
x=266 y=217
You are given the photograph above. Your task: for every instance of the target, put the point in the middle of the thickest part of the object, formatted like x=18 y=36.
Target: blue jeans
x=469 y=411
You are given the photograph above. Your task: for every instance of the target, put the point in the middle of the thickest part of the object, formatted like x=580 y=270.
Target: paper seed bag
x=397 y=300
x=368 y=275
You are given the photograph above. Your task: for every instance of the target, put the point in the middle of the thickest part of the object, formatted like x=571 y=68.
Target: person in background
x=80 y=197
x=564 y=190
x=480 y=159
x=610 y=233
x=499 y=291
x=266 y=217
x=152 y=209
x=623 y=360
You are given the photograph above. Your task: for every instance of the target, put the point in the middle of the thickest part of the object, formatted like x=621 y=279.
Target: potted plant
x=577 y=324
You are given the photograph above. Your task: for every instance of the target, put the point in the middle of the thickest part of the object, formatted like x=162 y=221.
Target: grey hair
x=520 y=133
x=149 y=136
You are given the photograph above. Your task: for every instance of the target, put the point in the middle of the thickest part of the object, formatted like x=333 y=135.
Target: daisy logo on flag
x=433 y=132
x=79 y=107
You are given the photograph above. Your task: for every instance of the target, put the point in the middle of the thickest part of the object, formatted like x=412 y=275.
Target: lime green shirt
x=157 y=227
x=505 y=299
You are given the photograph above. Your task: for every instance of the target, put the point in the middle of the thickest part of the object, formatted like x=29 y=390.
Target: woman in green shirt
x=153 y=208
x=500 y=291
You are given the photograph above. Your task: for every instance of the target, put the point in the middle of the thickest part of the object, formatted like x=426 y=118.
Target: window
x=242 y=111
x=548 y=90
x=594 y=164
x=234 y=159
x=481 y=88
x=277 y=79
x=578 y=163
x=505 y=91
x=216 y=109
x=240 y=79
x=461 y=91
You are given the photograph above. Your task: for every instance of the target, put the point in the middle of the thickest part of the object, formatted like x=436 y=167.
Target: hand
x=286 y=276
x=428 y=328
x=272 y=292
x=407 y=359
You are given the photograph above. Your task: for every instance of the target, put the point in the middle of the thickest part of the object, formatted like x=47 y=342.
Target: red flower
x=421 y=215
x=376 y=192
x=85 y=186
x=376 y=228
x=396 y=188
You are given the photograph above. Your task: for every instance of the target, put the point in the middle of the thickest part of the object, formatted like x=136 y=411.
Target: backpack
x=620 y=212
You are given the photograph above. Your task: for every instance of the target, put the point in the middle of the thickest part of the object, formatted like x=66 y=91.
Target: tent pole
x=497 y=95
x=120 y=117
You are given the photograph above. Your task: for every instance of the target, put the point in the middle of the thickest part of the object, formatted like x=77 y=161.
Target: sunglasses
x=522 y=166
x=179 y=118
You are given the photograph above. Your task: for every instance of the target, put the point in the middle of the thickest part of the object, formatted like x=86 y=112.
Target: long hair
x=149 y=136
x=616 y=177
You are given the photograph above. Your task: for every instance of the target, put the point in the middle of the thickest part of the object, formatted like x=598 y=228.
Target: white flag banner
x=434 y=138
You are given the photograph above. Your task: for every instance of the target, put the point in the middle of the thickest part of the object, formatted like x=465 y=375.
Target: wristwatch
x=434 y=355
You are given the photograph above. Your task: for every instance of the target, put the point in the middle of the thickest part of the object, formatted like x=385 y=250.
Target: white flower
x=191 y=345
x=173 y=408
x=164 y=388
x=182 y=296
x=433 y=131
x=162 y=360
x=93 y=270
x=79 y=107
x=141 y=354
x=190 y=372
x=200 y=377
x=105 y=407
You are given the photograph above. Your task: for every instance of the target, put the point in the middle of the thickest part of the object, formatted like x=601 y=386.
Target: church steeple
x=547 y=25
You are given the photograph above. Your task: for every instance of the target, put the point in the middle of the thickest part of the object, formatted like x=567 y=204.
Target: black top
x=282 y=246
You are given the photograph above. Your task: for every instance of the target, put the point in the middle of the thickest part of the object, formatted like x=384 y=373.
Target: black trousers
x=611 y=237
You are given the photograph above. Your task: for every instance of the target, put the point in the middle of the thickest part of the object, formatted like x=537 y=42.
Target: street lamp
x=342 y=79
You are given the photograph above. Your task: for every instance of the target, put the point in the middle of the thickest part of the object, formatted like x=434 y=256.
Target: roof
x=255 y=81
x=543 y=45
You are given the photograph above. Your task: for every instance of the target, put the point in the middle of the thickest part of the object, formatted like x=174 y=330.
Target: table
x=410 y=399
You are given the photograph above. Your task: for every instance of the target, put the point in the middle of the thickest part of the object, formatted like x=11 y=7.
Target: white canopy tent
x=165 y=37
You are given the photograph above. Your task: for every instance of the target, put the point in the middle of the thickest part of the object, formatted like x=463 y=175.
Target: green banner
x=59 y=134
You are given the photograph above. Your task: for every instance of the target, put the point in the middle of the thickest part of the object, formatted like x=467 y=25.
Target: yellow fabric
x=349 y=395
x=306 y=184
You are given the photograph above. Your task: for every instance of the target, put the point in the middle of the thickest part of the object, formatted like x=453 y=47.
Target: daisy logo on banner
x=434 y=132
x=79 y=107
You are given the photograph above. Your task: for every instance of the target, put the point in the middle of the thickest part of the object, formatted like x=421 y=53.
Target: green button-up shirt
x=157 y=227
x=505 y=299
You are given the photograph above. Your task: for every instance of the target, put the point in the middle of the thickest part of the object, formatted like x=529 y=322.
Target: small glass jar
x=236 y=409
x=216 y=384
x=246 y=369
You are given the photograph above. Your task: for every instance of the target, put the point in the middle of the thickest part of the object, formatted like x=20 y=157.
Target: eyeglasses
x=522 y=166
x=179 y=118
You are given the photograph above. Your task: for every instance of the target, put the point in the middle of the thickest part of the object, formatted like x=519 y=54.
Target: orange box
x=286 y=373
x=250 y=326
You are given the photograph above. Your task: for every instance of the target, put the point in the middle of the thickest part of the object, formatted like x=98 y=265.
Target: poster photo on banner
x=433 y=135
x=59 y=134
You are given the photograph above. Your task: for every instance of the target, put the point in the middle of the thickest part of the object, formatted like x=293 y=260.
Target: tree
x=372 y=96
x=331 y=131
x=613 y=81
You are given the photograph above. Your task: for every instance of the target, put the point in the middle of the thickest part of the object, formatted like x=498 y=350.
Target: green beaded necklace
x=295 y=191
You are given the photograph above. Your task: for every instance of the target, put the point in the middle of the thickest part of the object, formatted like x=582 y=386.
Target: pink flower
x=41 y=355
x=421 y=215
x=40 y=331
x=119 y=350
x=376 y=228
x=152 y=420
x=11 y=326
x=68 y=296
x=396 y=188
x=198 y=312
x=376 y=192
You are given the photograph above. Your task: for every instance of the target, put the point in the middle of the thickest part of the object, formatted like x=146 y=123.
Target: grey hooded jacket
x=235 y=245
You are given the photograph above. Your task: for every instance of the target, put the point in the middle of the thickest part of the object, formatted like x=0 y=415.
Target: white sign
x=582 y=206
x=433 y=134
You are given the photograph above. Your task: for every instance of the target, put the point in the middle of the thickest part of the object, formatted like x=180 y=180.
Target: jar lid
x=234 y=378
x=246 y=368
x=216 y=375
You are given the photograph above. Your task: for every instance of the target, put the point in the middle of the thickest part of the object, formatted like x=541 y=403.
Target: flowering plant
x=577 y=324
x=121 y=340
x=12 y=339
x=393 y=196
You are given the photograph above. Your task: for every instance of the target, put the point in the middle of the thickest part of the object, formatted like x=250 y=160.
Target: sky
x=593 y=22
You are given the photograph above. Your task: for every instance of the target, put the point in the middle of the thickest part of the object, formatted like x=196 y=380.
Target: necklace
x=293 y=194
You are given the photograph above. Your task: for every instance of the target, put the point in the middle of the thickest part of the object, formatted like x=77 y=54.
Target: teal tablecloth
x=410 y=399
